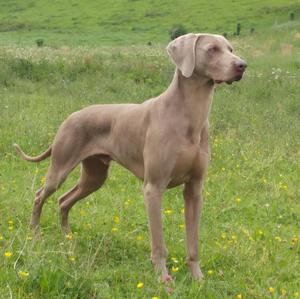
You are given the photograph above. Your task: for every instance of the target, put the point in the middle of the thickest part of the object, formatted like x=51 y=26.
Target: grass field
x=126 y=22
x=249 y=241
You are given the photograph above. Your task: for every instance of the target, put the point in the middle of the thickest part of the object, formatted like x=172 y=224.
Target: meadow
x=249 y=236
x=127 y=22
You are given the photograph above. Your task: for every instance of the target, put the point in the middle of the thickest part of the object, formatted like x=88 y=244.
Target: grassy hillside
x=132 y=21
x=249 y=246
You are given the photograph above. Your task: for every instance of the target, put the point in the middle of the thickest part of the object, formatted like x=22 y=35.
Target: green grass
x=247 y=245
x=132 y=21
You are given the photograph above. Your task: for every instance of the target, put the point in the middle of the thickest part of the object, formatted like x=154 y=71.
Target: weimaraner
x=163 y=141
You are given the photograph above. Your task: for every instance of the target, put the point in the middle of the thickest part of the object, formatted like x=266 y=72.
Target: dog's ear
x=182 y=52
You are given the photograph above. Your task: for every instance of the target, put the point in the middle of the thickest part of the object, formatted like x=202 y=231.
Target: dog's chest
x=185 y=164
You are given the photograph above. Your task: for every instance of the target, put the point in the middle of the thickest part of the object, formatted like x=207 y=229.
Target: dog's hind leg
x=93 y=175
x=56 y=175
x=54 y=179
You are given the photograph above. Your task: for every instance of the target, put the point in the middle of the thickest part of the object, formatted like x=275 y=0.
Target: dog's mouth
x=221 y=81
x=238 y=77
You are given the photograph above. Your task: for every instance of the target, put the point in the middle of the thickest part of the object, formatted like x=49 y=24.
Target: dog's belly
x=129 y=156
x=136 y=168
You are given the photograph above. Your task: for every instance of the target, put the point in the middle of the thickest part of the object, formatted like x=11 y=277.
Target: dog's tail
x=38 y=158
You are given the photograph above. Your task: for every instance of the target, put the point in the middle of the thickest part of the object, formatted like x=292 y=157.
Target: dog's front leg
x=193 y=205
x=153 y=197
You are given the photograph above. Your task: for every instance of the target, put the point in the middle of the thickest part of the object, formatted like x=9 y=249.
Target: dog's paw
x=197 y=275
x=195 y=271
x=165 y=278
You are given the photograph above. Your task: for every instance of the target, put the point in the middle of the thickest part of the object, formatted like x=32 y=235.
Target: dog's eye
x=213 y=49
x=230 y=50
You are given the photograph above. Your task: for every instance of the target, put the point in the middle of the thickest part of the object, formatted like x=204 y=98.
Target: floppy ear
x=182 y=52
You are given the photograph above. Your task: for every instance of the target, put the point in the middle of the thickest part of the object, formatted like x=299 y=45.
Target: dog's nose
x=241 y=66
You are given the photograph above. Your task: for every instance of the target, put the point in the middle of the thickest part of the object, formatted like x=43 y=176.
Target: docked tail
x=39 y=158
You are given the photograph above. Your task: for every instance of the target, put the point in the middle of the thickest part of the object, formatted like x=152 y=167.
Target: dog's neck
x=194 y=95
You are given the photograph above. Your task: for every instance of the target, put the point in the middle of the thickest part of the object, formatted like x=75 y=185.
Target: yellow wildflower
x=238 y=200
x=210 y=272
x=175 y=269
x=139 y=238
x=295 y=239
x=8 y=254
x=114 y=229
x=296 y=294
x=181 y=226
x=168 y=212
x=72 y=258
x=116 y=219
x=127 y=202
x=23 y=274
x=43 y=180
x=154 y=297
x=174 y=259
x=277 y=238
x=69 y=236
x=271 y=290
x=239 y=296
x=140 y=285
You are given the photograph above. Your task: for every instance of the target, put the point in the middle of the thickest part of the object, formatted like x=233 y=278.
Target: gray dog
x=163 y=141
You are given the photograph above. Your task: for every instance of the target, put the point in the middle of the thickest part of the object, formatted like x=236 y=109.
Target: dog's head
x=210 y=56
